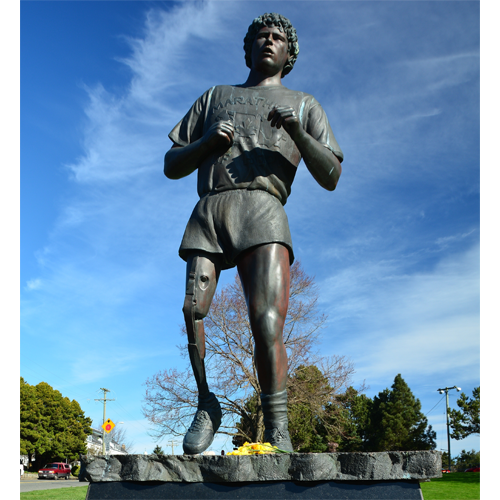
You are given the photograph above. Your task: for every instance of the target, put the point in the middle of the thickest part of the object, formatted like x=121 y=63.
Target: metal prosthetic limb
x=199 y=293
x=197 y=360
x=274 y=407
x=195 y=309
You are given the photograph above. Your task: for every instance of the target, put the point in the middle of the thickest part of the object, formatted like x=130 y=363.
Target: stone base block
x=311 y=467
x=345 y=490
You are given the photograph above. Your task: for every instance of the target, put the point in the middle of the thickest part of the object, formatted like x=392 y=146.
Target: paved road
x=46 y=484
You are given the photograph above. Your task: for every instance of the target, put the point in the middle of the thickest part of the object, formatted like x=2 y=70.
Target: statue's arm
x=321 y=162
x=181 y=161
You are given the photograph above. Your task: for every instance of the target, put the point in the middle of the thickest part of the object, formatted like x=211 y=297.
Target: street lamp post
x=446 y=389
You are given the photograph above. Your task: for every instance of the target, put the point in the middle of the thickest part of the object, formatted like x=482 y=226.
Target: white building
x=94 y=444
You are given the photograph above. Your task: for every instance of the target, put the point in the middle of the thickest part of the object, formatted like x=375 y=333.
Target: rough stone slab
x=345 y=490
x=380 y=466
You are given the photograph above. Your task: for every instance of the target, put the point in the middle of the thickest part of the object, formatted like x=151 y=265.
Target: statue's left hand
x=321 y=162
x=285 y=116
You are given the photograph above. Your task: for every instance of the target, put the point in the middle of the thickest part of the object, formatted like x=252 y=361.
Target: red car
x=55 y=471
x=446 y=471
x=472 y=469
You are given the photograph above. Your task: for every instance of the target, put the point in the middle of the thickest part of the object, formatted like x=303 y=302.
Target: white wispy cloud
x=126 y=135
x=446 y=71
x=447 y=240
x=400 y=292
x=419 y=322
x=34 y=284
x=111 y=244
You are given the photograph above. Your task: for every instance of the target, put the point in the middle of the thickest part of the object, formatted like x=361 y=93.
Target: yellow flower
x=256 y=449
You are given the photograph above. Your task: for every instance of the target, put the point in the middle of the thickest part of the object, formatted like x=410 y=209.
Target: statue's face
x=269 y=50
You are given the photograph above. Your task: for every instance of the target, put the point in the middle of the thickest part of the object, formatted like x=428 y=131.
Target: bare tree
x=171 y=395
x=119 y=436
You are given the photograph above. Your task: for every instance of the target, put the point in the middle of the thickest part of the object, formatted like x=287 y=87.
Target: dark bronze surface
x=247 y=138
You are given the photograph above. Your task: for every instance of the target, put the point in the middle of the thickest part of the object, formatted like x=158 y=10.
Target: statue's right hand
x=220 y=135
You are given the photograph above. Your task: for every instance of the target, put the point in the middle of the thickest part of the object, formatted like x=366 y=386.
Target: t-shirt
x=261 y=157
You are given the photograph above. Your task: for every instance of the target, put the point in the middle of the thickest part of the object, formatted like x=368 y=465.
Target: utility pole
x=104 y=400
x=173 y=442
x=446 y=389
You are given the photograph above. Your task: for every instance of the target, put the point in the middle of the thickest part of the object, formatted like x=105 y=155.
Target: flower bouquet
x=256 y=449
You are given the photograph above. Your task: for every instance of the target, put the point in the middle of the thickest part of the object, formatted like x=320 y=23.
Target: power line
x=131 y=417
x=435 y=405
x=123 y=409
x=451 y=395
x=172 y=443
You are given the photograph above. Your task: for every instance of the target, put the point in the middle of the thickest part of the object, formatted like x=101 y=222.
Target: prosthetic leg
x=200 y=288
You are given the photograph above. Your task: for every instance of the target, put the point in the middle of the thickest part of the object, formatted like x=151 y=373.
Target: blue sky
x=395 y=249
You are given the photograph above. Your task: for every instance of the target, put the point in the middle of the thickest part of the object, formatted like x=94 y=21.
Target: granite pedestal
x=385 y=475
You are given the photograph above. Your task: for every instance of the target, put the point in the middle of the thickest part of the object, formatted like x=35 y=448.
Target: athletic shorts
x=230 y=222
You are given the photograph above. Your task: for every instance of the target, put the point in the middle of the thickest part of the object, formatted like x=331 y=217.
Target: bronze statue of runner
x=246 y=142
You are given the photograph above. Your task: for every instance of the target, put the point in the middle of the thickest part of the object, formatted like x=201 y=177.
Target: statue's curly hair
x=283 y=24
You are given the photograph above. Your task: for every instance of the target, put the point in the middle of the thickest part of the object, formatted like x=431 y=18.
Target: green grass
x=454 y=486
x=74 y=493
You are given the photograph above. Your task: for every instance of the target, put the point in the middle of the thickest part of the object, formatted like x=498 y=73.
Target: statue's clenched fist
x=220 y=135
x=284 y=116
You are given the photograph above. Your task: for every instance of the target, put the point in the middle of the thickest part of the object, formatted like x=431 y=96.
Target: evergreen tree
x=158 y=450
x=445 y=460
x=318 y=417
x=396 y=422
x=34 y=436
x=467 y=459
x=309 y=410
x=466 y=421
x=357 y=420
x=53 y=428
